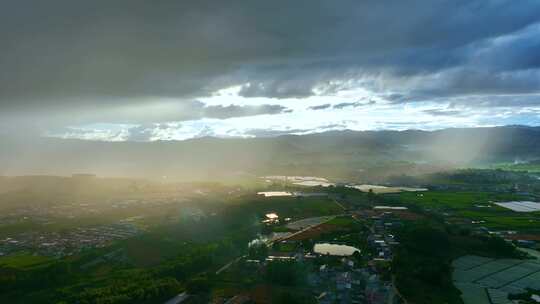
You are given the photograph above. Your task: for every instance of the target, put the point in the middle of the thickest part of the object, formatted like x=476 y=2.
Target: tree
x=371 y=196
x=258 y=251
x=198 y=285
x=286 y=273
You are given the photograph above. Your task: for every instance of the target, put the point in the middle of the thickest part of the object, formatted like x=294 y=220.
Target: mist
x=342 y=154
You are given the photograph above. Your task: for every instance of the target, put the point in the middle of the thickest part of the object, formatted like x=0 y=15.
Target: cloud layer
x=141 y=64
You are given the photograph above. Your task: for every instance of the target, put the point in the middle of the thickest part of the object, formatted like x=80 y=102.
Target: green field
x=25 y=261
x=453 y=200
x=292 y=207
x=529 y=167
x=474 y=206
x=343 y=221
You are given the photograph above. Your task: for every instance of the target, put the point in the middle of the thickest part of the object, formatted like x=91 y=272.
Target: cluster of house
x=347 y=284
x=381 y=240
x=364 y=284
x=50 y=214
x=63 y=244
x=344 y=278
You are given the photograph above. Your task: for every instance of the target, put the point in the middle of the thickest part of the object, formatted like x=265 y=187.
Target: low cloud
x=443 y=112
x=229 y=111
x=353 y=104
x=320 y=107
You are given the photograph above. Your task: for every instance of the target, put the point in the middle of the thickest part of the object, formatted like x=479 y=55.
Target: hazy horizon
x=339 y=154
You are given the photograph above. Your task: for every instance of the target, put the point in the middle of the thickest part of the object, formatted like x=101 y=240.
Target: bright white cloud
x=352 y=109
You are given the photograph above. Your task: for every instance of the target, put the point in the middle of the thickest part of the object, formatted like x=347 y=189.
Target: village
x=60 y=244
x=345 y=258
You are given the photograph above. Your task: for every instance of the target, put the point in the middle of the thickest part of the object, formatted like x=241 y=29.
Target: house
x=526 y=243
x=344 y=280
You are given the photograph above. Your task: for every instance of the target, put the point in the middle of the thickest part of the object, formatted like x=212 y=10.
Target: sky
x=142 y=70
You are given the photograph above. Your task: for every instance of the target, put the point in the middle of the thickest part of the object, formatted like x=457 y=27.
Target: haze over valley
x=348 y=155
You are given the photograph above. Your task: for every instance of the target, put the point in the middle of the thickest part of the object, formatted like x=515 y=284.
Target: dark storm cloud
x=180 y=110
x=98 y=55
x=141 y=112
x=503 y=101
x=280 y=88
x=476 y=85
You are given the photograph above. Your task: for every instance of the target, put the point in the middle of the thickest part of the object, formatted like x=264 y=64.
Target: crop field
x=469 y=262
x=530 y=167
x=315 y=232
x=498 y=219
x=25 y=261
x=473 y=293
x=531 y=281
x=483 y=280
x=293 y=207
x=498 y=297
x=452 y=200
x=345 y=221
x=480 y=207
x=500 y=279
x=308 y=222
x=484 y=270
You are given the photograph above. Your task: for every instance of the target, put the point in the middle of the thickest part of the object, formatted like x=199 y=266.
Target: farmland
x=480 y=279
x=24 y=261
x=532 y=166
x=478 y=208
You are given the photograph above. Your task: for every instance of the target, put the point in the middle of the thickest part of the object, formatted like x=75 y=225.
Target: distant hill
x=334 y=154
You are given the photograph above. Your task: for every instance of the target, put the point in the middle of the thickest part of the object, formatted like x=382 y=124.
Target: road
x=396 y=291
x=229 y=264
x=178 y=299
x=340 y=205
